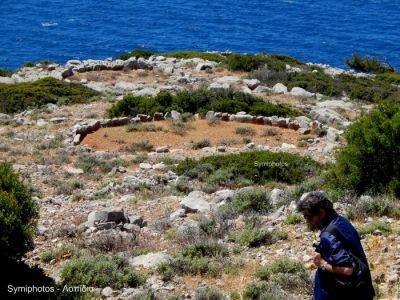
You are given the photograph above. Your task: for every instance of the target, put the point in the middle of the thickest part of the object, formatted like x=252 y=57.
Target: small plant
x=256 y=200
x=374 y=226
x=293 y=218
x=46 y=257
x=180 y=128
x=208 y=294
x=263 y=290
x=136 y=53
x=270 y=131
x=368 y=63
x=247 y=131
x=251 y=236
x=142 y=145
x=286 y=273
x=143 y=127
x=100 y=271
x=200 y=144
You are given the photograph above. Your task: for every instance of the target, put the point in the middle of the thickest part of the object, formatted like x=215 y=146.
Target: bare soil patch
x=117 y=138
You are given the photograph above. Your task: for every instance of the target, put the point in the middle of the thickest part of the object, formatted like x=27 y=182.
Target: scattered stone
x=107 y=292
x=279 y=88
x=221 y=148
x=252 y=83
x=277 y=196
x=72 y=170
x=145 y=166
x=149 y=260
x=196 y=201
x=162 y=149
x=96 y=217
x=300 y=92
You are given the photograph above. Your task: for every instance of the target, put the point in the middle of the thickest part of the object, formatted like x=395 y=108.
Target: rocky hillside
x=178 y=204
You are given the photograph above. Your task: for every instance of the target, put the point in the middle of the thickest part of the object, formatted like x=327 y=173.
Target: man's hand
x=318 y=260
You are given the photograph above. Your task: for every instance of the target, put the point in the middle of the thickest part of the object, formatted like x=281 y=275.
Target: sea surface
x=323 y=31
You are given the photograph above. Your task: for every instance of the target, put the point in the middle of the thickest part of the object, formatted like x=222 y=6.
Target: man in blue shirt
x=336 y=251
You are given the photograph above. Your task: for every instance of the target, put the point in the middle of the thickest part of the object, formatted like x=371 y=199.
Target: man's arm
x=337 y=270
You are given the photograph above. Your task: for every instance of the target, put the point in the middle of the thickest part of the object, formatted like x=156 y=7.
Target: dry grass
x=105 y=138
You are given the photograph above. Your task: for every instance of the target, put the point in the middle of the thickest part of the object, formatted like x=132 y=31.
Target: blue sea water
x=323 y=31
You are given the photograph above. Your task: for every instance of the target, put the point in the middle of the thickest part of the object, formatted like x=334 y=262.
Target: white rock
x=196 y=201
x=279 y=88
x=300 y=92
x=149 y=260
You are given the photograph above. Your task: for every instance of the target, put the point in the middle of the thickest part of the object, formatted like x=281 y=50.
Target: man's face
x=314 y=222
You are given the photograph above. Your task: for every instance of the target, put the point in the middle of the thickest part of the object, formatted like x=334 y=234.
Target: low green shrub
x=201 y=144
x=199 y=101
x=46 y=257
x=263 y=291
x=374 y=226
x=251 y=236
x=256 y=200
x=136 y=53
x=198 y=259
x=18 y=214
x=196 y=54
x=368 y=64
x=288 y=274
x=100 y=271
x=293 y=218
x=367 y=89
x=250 y=62
x=21 y=96
x=258 y=166
x=314 y=82
x=393 y=78
x=208 y=294
x=245 y=131
x=6 y=73
x=369 y=162
x=384 y=205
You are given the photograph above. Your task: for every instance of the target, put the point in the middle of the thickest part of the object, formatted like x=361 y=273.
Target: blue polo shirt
x=335 y=254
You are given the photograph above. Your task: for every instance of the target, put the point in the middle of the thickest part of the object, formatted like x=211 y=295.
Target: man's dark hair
x=315 y=200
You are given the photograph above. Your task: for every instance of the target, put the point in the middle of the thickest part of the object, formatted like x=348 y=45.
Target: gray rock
x=58 y=120
x=278 y=196
x=180 y=213
x=106 y=225
x=210 y=115
x=300 y=92
x=137 y=220
x=77 y=139
x=196 y=201
x=162 y=149
x=327 y=116
x=145 y=166
x=96 y=217
x=279 y=88
x=41 y=122
x=175 y=115
x=221 y=148
x=224 y=195
x=204 y=66
x=149 y=260
x=158 y=116
x=131 y=228
x=252 y=83
x=262 y=90
x=217 y=86
x=303 y=121
x=229 y=80
x=107 y=292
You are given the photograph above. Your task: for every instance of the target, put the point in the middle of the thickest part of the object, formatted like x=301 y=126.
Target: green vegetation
x=368 y=64
x=143 y=127
x=21 y=96
x=46 y=257
x=286 y=273
x=198 y=101
x=293 y=218
x=5 y=73
x=258 y=167
x=374 y=226
x=393 y=78
x=208 y=294
x=369 y=163
x=263 y=291
x=201 y=258
x=89 y=163
x=245 y=131
x=196 y=54
x=379 y=206
x=251 y=236
x=136 y=53
x=250 y=62
x=201 y=144
x=100 y=271
x=256 y=200
x=18 y=215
